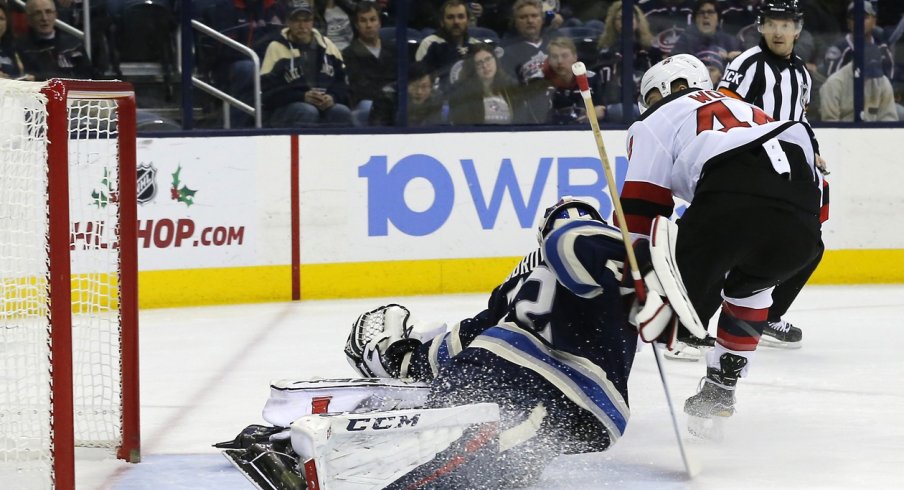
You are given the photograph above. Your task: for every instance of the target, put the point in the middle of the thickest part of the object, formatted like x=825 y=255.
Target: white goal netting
x=26 y=347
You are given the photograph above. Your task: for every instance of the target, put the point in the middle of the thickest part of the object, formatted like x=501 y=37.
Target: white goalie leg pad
x=368 y=451
x=663 y=236
x=291 y=399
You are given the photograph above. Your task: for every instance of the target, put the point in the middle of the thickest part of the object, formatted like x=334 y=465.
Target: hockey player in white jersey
x=553 y=350
x=753 y=219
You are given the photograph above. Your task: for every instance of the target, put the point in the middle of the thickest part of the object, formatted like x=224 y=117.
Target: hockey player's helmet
x=566 y=210
x=680 y=66
x=780 y=9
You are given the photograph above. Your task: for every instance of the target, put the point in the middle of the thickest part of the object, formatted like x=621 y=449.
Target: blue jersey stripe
x=593 y=389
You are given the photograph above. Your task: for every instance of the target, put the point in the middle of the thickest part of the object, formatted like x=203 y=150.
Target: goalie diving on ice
x=488 y=401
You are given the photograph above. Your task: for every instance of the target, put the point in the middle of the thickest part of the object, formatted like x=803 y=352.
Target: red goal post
x=69 y=315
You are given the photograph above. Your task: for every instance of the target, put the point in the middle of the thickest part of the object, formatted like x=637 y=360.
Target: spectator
x=253 y=24
x=10 y=62
x=668 y=19
x=609 y=63
x=587 y=10
x=484 y=94
x=425 y=106
x=370 y=65
x=567 y=102
x=837 y=94
x=704 y=34
x=523 y=57
x=523 y=54
x=842 y=52
x=335 y=18
x=714 y=63
x=444 y=50
x=47 y=52
x=72 y=13
x=738 y=15
x=303 y=78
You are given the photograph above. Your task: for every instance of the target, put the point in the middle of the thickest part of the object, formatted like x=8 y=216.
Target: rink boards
x=272 y=218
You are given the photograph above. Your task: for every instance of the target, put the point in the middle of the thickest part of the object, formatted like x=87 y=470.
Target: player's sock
x=781 y=334
x=716 y=395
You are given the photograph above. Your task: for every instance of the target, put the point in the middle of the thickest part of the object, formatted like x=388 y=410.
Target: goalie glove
x=370 y=348
x=388 y=358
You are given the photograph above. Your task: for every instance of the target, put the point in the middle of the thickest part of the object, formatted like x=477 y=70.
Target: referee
x=772 y=77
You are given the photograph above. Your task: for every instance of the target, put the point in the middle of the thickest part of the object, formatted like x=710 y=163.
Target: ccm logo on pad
x=382 y=423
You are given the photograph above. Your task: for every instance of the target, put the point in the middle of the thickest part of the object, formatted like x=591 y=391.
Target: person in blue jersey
x=554 y=349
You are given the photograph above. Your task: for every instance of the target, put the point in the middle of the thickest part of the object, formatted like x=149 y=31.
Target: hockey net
x=68 y=267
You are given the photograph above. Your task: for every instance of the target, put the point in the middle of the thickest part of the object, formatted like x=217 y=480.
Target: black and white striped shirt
x=779 y=86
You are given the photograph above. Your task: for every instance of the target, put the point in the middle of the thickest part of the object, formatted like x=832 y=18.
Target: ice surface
x=830 y=415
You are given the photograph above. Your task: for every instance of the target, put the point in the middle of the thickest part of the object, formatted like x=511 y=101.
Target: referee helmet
x=780 y=9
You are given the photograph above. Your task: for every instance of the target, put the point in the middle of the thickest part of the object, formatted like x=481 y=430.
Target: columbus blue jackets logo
x=147 y=182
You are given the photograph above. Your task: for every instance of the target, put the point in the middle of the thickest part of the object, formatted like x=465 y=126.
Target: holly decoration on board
x=179 y=192
x=107 y=194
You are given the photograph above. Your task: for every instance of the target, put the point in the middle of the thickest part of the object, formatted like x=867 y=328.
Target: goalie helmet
x=780 y=9
x=680 y=66
x=566 y=210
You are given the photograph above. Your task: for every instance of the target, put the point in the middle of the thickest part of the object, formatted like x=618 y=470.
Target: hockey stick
x=580 y=73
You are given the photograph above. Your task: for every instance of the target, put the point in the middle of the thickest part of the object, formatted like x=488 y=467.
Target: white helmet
x=661 y=75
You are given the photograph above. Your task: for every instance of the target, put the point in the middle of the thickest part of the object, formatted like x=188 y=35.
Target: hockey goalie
x=488 y=401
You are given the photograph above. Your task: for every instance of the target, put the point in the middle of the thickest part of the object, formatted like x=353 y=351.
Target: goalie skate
x=266 y=467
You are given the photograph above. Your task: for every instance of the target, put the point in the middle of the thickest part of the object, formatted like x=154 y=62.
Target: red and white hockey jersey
x=670 y=144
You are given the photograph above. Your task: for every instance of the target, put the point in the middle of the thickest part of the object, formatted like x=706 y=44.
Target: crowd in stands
x=495 y=62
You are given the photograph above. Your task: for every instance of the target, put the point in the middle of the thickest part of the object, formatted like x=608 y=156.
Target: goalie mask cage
x=68 y=271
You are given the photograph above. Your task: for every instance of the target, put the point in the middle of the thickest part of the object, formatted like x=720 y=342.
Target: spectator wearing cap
x=609 y=62
x=253 y=24
x=371 y=65
x=704 y=34
x=714 y=64
x=48 y=52
x=444 y=51
x=302 y=76
x=837 y=93
x=842 y=51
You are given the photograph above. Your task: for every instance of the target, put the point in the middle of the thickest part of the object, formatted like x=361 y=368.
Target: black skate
x=269 y=466
x=714 y=402
x=250 y=435
x=781 y=334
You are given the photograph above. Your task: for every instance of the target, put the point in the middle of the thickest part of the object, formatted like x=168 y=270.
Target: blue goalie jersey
x=561 y=314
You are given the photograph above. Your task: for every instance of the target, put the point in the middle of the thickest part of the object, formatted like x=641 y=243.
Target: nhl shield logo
x=147 y=182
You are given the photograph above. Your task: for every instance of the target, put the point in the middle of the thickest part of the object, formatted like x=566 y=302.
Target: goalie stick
x=580 y=73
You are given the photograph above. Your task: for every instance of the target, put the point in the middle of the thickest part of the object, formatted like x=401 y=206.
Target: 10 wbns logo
x=386 y=186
